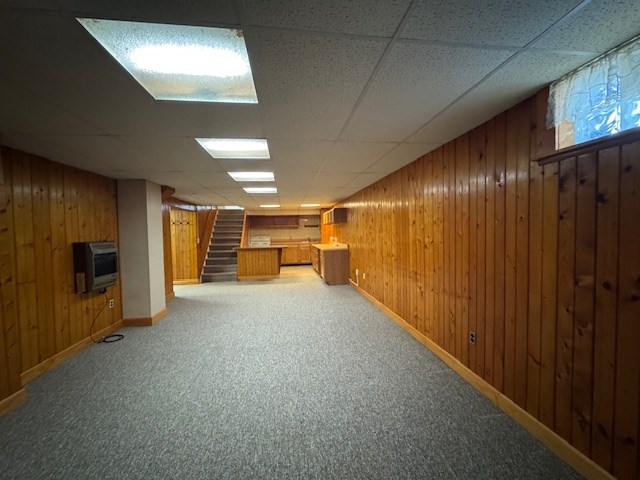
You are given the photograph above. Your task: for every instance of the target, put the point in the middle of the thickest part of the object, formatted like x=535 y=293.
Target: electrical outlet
x=364 y=275
x=472 y=338
x=112 y=303
x=357 y=272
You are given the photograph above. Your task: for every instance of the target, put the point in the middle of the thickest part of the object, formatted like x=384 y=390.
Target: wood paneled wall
x=185 y=249
x=184 y=252
x=166 y=240
x=10 y=357
x=541 y=262
x=48 y=207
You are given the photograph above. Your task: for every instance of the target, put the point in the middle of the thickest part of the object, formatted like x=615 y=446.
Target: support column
x=141 y=252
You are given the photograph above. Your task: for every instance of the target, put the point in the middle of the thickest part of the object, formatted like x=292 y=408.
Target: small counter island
x=331 y=262
x=259 y=263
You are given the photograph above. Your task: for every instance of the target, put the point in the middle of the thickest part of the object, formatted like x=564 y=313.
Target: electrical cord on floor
x=109 y=338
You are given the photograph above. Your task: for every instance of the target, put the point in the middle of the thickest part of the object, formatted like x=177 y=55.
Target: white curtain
x=600 y=98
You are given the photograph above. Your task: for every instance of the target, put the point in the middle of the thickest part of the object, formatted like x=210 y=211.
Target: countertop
x=272 y=247
x=331 y=246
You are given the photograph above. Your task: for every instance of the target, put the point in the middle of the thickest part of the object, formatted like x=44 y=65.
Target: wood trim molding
x=622 y=138
x=583 y=464
x=12 y=401
x=60 y=357
x=170 y=295
x=144 y=321
x=188 y=281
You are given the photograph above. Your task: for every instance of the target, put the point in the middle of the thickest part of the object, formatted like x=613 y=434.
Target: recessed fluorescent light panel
x=269 y=206
x=252 y=176
x=179 y=62
x=229 y=148
x=261 y=189
x=309 y=205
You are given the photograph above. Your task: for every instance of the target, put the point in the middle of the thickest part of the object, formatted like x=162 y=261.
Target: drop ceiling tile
x=221 y=120
x=378 y=18
x=493 y=22
x=181 y=182
x=354 y=157
x=43 y=147
x=364 y=180
x=514 y=82
x=213 y=180
x=294 y=179
x=400 y=156
x=332 y=180
x=98 y=152
x=307 y=84
x=599 y=27
x=74 y=71
x=298 y=155
x=173 y=154
x=415 y=82
x=189 y=12
x=26 y=112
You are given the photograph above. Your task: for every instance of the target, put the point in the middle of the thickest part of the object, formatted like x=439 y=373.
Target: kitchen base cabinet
x=296 y=254
x=331 y=261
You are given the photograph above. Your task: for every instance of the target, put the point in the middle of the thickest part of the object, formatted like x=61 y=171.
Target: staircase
x=221 y=262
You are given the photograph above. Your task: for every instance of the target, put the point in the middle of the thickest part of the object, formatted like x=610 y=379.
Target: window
x=598 y=99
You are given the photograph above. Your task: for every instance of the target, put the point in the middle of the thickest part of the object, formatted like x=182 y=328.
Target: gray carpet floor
x=282 y=379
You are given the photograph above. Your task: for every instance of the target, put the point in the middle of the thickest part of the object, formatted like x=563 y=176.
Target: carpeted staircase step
x=223 y=246
x=222 y=254
x=221 y=261
x=228 y=229
x=219 y=277
x=222 y=235
x=220 y=268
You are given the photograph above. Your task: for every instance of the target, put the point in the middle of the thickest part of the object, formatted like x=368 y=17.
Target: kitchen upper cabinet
x=274 y=221
x=335 y=215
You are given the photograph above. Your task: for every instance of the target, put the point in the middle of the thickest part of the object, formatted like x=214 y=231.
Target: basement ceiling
x=348 y=91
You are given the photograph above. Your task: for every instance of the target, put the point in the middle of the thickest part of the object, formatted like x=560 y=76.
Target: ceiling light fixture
x=252 y=176
x=180 y=62
x=261 y=189
x=269 y=206
x=246 y=148
x=309 y=205
x=189 y=60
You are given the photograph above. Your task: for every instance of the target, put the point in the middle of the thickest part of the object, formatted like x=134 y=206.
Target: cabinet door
x=289 y=255
x=304 y=254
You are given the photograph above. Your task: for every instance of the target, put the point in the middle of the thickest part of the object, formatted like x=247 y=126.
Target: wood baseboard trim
x=170 y=295
x=60 y=357
x=188 y=281
x=12 y=401
x=144 y=321
x=563 y=449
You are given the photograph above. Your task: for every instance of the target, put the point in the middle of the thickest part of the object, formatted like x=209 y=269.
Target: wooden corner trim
x=563 y=449
x=60 y=357
x=144 y=321
x=12 y=401
x=170 y=295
